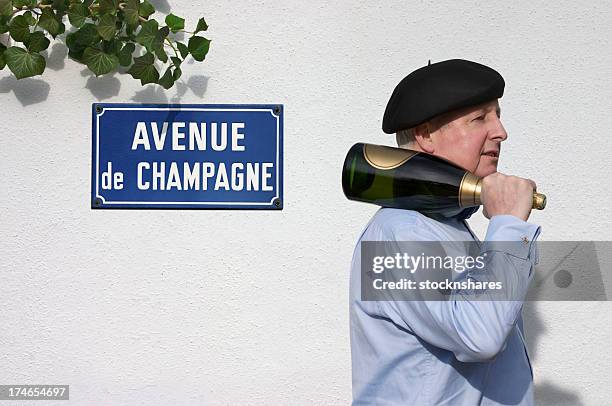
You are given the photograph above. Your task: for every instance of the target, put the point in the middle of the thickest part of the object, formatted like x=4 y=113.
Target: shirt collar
x=457 y=213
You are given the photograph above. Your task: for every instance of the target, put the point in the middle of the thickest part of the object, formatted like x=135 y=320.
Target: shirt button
x=525 y=240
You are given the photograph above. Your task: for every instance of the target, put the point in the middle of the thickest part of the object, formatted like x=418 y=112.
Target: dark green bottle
x=406 y=179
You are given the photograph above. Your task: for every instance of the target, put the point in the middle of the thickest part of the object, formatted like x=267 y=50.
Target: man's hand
x=503 y=194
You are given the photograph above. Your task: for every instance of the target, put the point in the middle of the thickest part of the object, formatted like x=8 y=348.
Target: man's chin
x=482 y=172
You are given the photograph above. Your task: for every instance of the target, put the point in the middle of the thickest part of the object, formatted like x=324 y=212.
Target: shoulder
x=397 y=224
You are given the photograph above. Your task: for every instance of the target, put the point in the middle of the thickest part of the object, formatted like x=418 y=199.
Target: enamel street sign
x=187 y=156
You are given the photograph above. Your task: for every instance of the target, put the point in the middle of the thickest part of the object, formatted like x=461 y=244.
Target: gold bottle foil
x=469 y=190
x=471 y=187
x=382 y=157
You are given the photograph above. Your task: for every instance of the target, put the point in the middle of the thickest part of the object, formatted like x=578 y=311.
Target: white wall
x=250 y=307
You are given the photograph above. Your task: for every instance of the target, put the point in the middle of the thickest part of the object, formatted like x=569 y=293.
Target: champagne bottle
x=406 y=179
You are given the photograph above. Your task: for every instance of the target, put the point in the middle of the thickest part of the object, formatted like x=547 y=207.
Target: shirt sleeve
x=474 y=329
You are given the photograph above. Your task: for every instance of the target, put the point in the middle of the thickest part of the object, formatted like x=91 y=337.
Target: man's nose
x=497 y=131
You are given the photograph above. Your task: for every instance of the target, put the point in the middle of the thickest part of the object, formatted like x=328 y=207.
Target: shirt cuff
x=510 y=234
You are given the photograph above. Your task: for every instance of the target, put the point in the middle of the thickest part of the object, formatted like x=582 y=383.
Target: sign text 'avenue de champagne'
x=187 y=156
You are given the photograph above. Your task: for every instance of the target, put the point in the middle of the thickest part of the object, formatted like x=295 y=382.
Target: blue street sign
x=187 y=156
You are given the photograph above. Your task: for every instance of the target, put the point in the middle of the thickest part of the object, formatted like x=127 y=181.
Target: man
x=452 y=352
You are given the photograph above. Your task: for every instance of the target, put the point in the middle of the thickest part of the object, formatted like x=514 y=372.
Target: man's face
x=470 y=137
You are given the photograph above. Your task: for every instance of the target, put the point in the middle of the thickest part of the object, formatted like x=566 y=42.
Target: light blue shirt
x=452 y=352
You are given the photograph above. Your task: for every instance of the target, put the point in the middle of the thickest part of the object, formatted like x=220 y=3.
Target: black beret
x=439 y=88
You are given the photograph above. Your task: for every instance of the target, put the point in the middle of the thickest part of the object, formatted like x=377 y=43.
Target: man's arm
x=474 y=329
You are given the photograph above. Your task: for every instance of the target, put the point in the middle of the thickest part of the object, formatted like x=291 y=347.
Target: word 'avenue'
x=189 y=136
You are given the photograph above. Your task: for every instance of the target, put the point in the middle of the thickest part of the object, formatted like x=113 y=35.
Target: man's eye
x=481 y=117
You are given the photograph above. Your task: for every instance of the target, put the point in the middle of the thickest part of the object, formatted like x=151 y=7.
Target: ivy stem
x=172 y=46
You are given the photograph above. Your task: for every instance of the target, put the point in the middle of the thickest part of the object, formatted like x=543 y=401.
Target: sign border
x=99 y=202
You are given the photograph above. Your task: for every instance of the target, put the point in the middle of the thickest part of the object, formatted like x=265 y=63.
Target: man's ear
x=422 y=136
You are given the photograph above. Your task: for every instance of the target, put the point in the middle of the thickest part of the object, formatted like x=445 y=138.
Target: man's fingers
x=533 y=184
x=484 y=212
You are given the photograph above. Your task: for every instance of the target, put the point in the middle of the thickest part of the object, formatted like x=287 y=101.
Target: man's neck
x=412 y=146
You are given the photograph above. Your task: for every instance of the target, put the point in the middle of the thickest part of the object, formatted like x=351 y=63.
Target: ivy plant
x=103 y=35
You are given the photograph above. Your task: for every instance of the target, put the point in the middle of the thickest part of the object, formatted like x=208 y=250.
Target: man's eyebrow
x=497 y=110
x=485 y=110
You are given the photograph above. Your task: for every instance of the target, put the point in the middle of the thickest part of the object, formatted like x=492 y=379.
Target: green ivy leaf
x=146 y=59
x=131 y=12
x=77 y=14
x=144 y=69
x=161 y=54
x=202 y=26
x=108 y=6
x=125 y=55
x=175 y=23
x=50 y=22
x=82 y=38
x=2 y=61
x=19 y=28
x=129 y=31
x=111 y=47
x=177 y=74
x=37 y=42
x=6 y=7
x=24 y=64
x=149 y=36
x=107 y=26
x=61 y=6
x=166 y=81
x=182 y=49
x=176 y=61
x=4 y=24
x=99 y=62
x=164 y=32
x=146 y=9
x=24 y=3
x=29 y=18
x=86 y=35
x=198 y=47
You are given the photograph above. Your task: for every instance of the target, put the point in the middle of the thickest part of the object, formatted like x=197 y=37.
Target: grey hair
x=405 y=138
